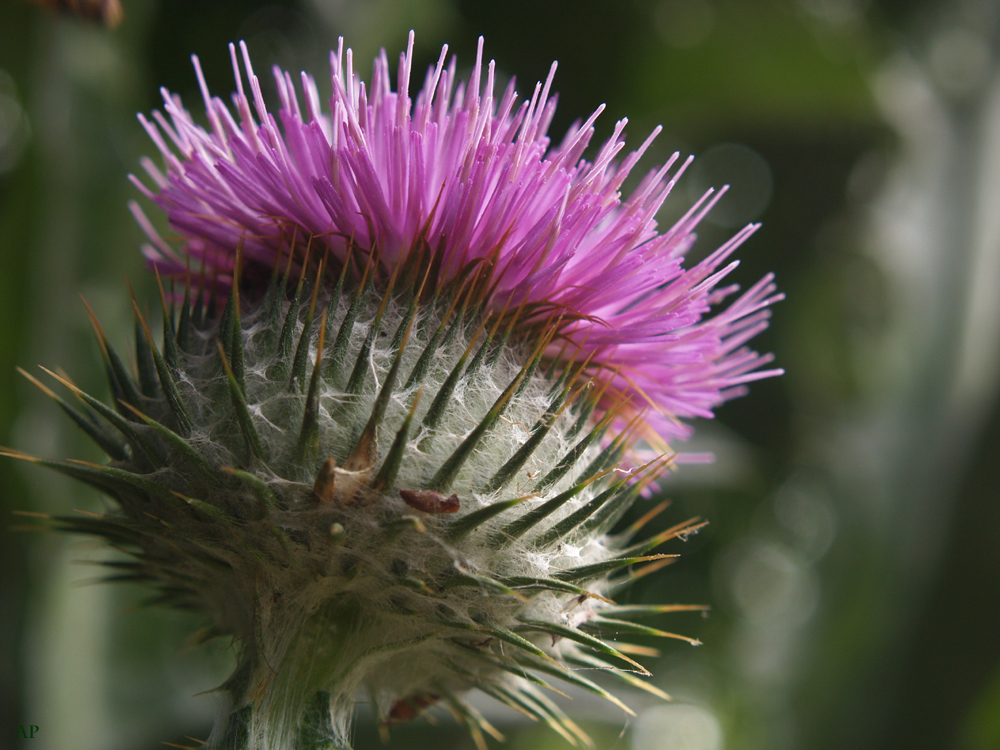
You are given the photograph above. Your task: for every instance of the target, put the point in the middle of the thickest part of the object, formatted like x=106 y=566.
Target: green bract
x=375 y=490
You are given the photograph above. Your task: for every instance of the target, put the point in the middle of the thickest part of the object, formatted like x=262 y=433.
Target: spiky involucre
x=373 y=493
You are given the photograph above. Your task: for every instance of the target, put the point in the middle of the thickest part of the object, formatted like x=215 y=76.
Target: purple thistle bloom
x=474 y=179
x=366 y=484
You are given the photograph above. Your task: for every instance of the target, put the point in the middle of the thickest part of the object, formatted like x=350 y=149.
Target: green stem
x=282 y=710
x=315 y=729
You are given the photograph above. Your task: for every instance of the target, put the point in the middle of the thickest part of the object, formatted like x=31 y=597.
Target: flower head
x=473 y=179
x=391 y=425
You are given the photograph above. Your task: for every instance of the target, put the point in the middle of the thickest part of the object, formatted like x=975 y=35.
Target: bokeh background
x=853 y=557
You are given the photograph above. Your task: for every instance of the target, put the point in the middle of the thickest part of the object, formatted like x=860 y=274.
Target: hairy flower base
x=373 y=494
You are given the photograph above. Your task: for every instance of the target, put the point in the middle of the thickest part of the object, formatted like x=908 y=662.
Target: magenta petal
x=467 y=173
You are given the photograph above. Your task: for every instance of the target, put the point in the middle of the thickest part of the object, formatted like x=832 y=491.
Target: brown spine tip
x=324 y=487
x=430 y=501
x=409 y=708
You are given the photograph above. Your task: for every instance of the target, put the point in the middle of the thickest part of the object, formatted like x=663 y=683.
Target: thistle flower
x=395 y=415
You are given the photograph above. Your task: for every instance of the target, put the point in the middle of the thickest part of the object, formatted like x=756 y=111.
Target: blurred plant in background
x=852 y=561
